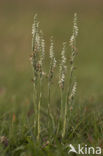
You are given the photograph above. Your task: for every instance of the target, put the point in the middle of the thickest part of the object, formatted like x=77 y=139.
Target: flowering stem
x=35 y=107
x=38 y=112
x=66 y=106
x=48 y=102
x=61 y=111
x=65 y=119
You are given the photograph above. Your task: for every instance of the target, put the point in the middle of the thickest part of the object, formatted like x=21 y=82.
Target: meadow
x=17 y=113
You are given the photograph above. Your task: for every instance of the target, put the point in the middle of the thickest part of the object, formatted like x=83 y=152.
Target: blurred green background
x=56 y=16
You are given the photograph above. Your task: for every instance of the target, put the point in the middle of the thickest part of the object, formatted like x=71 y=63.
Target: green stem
x=65 y=121
x=66 y=106
x=38 y=113
x=48 y=103
x=61 y=112
x=35 y=108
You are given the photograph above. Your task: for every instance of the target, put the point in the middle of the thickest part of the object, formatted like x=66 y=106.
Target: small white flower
x=34 y=31
x=75 y=31
x=54 y=63
x=75 y=27
x=71 y=40
x=43 y=47
x=73 y=92
x=62 y=66
x=51 y=49
x=37 y=40
x=63 y=53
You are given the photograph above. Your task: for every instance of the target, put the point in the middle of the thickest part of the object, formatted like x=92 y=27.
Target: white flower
x=54 y=63
x=37 y=40
x=51 y=48
x=62 y=66
x=34 y=31
x=75 y=31
x=73 y=92
x=34 y=26
x=75 y=27
x=71 y=40
x=63 y=54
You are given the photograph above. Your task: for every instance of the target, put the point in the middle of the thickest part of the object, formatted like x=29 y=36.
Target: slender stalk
x=38 y=112
x=65 y=119
x=49 y=98
x=61 y=111
x=48 y=103
x=66 y=106
x=35 y=108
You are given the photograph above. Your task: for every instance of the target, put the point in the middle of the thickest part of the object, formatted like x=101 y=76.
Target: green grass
x=85 y=125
